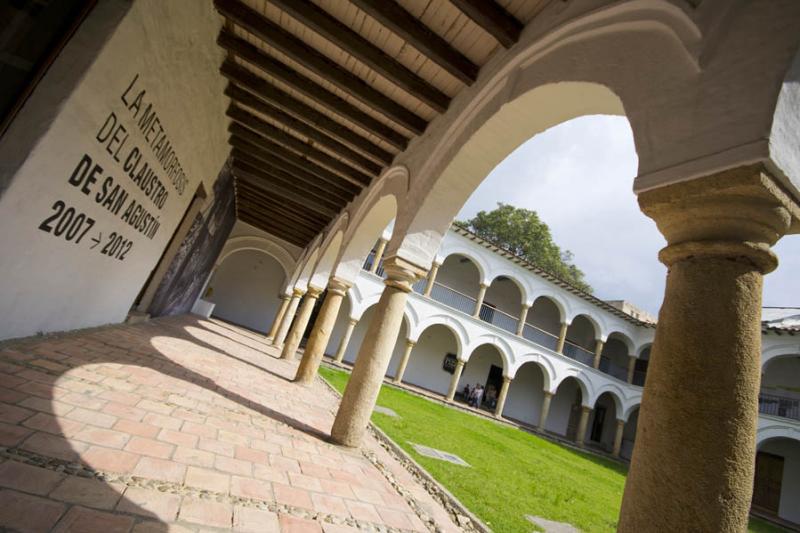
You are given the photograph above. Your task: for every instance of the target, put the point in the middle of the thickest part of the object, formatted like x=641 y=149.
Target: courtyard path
x=184 y=424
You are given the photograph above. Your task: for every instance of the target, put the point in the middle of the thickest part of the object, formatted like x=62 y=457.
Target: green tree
x=523 y=233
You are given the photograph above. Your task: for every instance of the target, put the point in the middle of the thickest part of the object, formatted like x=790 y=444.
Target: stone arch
x=512 y=276
x=502 y=346
x=624 y=338
x=633 y=405
x=476 y=260
x=271 y=248
x=544 y=364
x=640 y=351
x=374 y=213
x=781 y=350
x=308 y=268
x=447 y=321
x=326 y=260
x=556 y=299
x=587 y=396
x=616 y=394
x=776 y=431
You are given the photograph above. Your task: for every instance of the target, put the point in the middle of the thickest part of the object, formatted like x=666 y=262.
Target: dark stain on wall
x=195 y=258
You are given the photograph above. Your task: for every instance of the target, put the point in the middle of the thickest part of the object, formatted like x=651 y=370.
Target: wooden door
x=768 y=480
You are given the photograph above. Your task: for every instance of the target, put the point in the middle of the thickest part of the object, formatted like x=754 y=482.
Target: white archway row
x=471 y=333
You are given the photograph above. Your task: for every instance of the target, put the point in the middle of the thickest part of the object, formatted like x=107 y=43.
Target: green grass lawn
x=512 y=473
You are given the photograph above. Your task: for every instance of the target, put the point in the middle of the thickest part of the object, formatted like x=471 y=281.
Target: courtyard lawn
x=512 y=473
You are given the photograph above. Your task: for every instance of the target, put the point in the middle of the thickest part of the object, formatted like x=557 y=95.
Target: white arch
x=634 y=404
x=475 y=259
x=772 y=429
x=375 y=211
x=616 y=393
x=271 y=248
x=511 y=275
x=323 y=268
x=559 y=301
x=453 y=326
x=308 y=269
x=543 y=362
x=585 y=384
x=596 y=324
x=502 y=346
x=625 y=338
x=780 y=350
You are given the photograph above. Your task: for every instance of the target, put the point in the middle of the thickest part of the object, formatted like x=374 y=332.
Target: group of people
x=475 y=394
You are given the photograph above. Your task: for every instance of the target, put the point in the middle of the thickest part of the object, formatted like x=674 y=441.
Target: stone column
x=285 y=299
x=345 y=340
x=501 y=398
x=562 y=337
x=451 y=392
x=598 y=351
x=618 y=438
x=300 y=323
x=431 y=278
x=321 y=332
x=288 y=316
x=693 y=460
x=548 y=396
x=522 y=317
x=631 y=367
x=582 y=423
x=375 y=352
x=378 y=255
x=401 y=368
x=479 y=300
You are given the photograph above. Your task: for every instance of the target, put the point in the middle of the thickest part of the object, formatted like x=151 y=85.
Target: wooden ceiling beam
x=279 y=204
x=283 y=138
x=281 y=233
x=314 y=190
x=319 y=64
x=323 y=23
x=257 y=204
x=256 y=151
x=490 y=16
x=291 y=158
x=240 y=96
x=246 y=174
x=242 y=78
x=408 y=27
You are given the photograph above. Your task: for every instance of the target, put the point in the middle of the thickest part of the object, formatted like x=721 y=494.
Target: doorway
x=768 y=482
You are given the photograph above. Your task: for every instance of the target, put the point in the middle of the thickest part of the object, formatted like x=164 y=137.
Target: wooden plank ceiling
x=324 y=94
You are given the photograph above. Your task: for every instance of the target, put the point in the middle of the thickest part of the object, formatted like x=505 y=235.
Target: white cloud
x=578 y=176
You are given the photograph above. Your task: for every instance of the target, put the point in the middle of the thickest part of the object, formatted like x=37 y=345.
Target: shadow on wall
x=112 y=370
x=195 y=258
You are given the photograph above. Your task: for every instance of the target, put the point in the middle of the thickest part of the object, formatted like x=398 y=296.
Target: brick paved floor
x=182 y=424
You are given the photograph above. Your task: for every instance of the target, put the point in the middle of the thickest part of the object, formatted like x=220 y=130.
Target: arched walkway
x=603 y=421
x=629 y=433
x=525 y=394
x=245 y=289
x=458 y=283
x=484 y=367
x=543 y=323
x=780 y=387
x=502 y=304
x=614 y=357
x=565 y=409
x=426 y=366
x=581 y=340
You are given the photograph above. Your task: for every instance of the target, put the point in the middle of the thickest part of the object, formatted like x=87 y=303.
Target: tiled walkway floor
x=182 y=424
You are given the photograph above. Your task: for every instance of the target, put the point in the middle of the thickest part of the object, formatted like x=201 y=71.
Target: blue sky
x=578 y=176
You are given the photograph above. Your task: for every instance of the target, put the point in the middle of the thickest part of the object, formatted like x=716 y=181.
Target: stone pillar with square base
x=285 y=299
x=522 y=317
x=501 y=398
x=401 y=368
x=479 y=300
x=580 y=435
x=451 y=392
x=618 y=438
x=288 y=316
x=375 y=353
x=300 y=323
x=598 y=351
x=431 y=279
x=693 y=460
x=548 y=396
x=562 y=337
x=345 y=340
x=321 y=332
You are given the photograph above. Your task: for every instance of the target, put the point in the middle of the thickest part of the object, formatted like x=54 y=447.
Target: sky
x=579 y=176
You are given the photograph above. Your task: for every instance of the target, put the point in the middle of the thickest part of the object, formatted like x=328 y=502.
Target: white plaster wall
x=783 y=373
x=245 y=287
x=461 y=274
x=544 y=315
x=582 y=333
x=52 y=284
x=399 y=348
x=525 y=395
x=788 y=508
x=425 y=365
x=505 y=296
